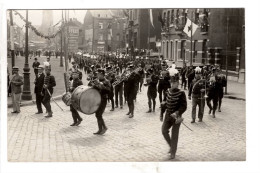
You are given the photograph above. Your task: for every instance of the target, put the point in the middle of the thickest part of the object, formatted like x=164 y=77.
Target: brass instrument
x=125 y=76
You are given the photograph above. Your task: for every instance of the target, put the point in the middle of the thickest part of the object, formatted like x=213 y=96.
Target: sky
x=35 y=16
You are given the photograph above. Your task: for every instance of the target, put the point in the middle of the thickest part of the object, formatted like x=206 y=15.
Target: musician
x=164 y=83
x=152 y=82
x=16 y=85
x=141 y=79
x=183 y=76
x=190 y=74
x=75 y=68
x=39 y=81
x=119 y=90
x=197 y=93
x=103 y=86
x=111 y=77
x=49 y=83
x=75 y=83
x=131 y=91
x=221 y=81
x=213 y=93
x=174 y=104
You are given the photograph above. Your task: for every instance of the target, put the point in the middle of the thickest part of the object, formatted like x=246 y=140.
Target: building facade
x=217 y=38
x=103 y=30
x=141 y=34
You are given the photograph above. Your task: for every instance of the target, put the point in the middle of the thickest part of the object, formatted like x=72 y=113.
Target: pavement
x=33 y=138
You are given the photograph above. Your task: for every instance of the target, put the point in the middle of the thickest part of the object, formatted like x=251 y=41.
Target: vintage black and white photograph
x=126 y=85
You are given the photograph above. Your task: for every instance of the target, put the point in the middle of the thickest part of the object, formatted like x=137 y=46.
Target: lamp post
x=227 y=55
x=26 y=95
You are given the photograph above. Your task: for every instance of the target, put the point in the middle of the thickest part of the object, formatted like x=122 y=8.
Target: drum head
x=90 y=100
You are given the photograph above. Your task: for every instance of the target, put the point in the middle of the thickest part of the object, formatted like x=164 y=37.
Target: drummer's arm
x=105 y=86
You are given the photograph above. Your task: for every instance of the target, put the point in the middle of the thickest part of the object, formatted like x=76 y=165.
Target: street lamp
x=26 y=95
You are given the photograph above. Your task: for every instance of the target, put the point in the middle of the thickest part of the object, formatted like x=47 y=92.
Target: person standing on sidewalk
x=35 y=66
x=103 y=86
x=197 y=92
x=174 y=104
x=39 y=81
x=49 y=83
x=75 y=83
x=16 y=85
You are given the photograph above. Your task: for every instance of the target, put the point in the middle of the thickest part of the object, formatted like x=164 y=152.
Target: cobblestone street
x=34 y=138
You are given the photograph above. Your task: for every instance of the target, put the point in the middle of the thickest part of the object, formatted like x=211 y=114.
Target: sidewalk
x=236 y=90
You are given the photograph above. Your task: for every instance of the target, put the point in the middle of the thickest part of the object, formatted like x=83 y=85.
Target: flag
x=190 y=25
x=109 y=26
x=151 y=17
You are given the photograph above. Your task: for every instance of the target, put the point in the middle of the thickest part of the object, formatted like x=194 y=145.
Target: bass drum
x=86 y=99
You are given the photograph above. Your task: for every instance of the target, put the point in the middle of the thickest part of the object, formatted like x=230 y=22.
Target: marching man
x=174 y=104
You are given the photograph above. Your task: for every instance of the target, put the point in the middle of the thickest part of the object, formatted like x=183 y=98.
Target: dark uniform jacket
x=196 y=87
x=39 y=81
x=49 y=80
x=76 y=82
x=130 y=85
x=35 y=64
x=103 y=88
x=152 y=89
x=174 y=102
x=164 y=79
x=190 y=74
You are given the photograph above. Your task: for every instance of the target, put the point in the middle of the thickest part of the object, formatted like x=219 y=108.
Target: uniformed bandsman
x=197 y=93
x=103 y=86
x=151 y=82
x=174 y=104
x=75 y=83
x=119 y=90
x=49 y=83
x=131 y=91
x=164 y=83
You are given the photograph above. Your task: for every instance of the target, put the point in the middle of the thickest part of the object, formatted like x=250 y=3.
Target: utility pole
x=226 y=54
x=26 y=95
x=61 y=33
x=93 y=34
x=12 y=37
x=191 y=54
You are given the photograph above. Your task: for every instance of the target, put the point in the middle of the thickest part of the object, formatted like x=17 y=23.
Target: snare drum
x=86 y=99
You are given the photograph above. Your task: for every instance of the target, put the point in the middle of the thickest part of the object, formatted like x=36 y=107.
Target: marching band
x=115 y=80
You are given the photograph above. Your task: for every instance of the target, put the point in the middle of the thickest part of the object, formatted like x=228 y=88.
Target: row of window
x=101 y=37
x=101 y=25
x=178 y=17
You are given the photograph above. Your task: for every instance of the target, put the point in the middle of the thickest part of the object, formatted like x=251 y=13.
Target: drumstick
x=54 y=100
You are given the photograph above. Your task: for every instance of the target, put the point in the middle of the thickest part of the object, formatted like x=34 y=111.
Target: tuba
x=125 y=76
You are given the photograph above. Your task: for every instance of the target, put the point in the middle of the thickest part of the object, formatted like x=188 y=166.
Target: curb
x=31 y=102
x=234 y=97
